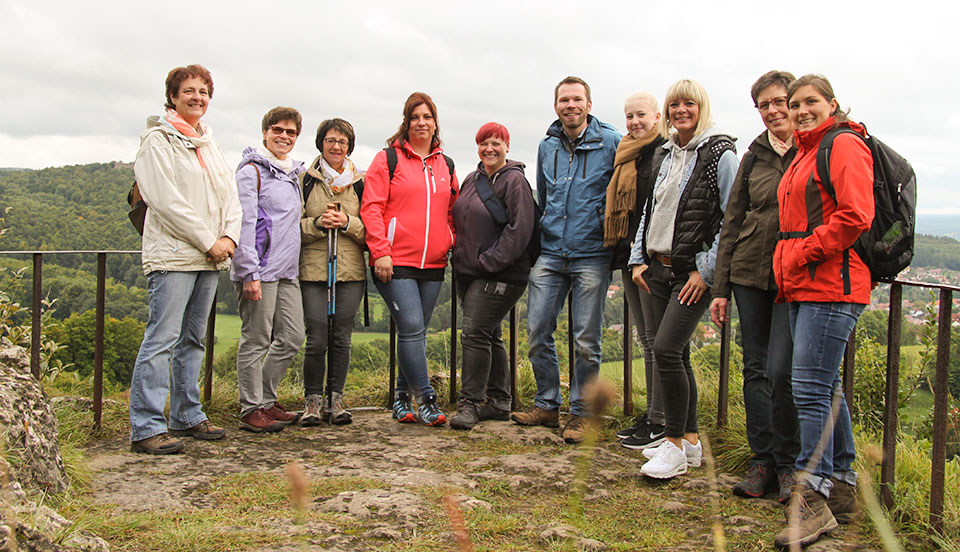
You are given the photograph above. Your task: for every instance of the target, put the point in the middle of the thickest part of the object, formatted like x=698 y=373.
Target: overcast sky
x=78 y=79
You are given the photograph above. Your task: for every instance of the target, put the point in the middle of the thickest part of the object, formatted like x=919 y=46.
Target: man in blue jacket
x=574 y=166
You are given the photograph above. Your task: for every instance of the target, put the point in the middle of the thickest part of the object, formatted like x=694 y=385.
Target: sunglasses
x=291 y=132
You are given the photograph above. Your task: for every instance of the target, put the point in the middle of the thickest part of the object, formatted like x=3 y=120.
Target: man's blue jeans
x=411 y=305
x=551 y=278
x=820 y=333
x=171 y=352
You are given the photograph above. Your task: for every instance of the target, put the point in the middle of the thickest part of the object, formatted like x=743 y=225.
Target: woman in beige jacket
x=331 y=192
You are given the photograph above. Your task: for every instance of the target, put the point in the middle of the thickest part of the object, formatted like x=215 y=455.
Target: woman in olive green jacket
x=332 y=180
x=745 y=264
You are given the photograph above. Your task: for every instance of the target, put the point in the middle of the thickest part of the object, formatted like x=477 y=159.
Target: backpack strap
x=391 y=161
x=823 y=158
x=748 y=159
x=449 y=161
x=490 y=200
x=258 y=175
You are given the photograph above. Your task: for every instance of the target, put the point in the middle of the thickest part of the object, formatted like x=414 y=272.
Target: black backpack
x=887 y=248
x=499 y=214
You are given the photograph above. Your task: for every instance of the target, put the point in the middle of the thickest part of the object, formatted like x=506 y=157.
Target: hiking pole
x=333 y=235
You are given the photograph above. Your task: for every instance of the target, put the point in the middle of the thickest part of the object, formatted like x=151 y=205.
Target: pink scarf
x=177 y=122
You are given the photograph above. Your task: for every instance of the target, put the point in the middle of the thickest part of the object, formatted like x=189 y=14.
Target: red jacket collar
x=810 y=139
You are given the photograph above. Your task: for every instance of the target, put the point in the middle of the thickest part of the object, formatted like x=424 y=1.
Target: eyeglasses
x=332 y=141
x=779 y=103
x=291 y=132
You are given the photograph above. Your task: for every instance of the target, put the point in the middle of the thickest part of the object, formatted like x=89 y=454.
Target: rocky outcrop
x=28 y=526
x=28 y=427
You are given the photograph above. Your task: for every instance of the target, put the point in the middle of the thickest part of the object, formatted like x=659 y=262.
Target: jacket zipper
x=427 y=178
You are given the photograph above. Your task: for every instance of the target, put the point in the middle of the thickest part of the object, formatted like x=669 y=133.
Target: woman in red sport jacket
x=827 y=286
x=409 y=224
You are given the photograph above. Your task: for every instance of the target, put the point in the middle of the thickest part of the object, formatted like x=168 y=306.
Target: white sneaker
x=694 y=453
x=649 y=453
x=670 y=461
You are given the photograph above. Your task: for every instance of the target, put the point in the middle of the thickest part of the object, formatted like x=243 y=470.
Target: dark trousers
x=670 y=326
x=314 y=296
x=654 y=401
x=485 y=368
x=772 y=429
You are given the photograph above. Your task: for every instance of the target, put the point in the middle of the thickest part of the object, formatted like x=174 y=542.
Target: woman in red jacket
x=407 y=212
x=827 y=285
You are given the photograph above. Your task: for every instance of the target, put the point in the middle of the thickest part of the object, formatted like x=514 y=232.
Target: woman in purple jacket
x=265 y=269
x=491 y=265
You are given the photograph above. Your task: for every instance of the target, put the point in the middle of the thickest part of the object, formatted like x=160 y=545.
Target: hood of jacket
x=315 y=171
x=697 y=140
x=253 y=155
x=592 y=135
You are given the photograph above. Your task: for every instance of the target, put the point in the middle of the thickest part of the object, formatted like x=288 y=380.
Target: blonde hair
x=645 y=97
x=686 y=89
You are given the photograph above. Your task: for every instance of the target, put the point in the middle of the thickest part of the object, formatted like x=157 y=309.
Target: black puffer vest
x=698 y=211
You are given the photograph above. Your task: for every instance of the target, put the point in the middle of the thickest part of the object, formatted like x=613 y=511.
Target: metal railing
x=890 y=425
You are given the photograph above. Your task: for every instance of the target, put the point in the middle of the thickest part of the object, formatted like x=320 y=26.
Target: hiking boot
x=204 y=430
x=694 y=453
x=158 y=444
x=843 y=502
x=281 y=415
x=467 y=415
x=787 y=481
x=648 y=436
x=335 y=413
x=640 y=422
x=758 y=481
x=574 y=429
x=257 y=421
x=489 y=412
x=403 y=409
x=429 y=413
x=669 y=461
x=537 y=416
x=808 y=518
x=312 y=406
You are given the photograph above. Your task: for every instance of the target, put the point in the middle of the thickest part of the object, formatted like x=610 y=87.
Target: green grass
x=227 y=333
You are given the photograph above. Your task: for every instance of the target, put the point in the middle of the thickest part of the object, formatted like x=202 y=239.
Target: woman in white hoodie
x=191 y=228
x=673 y=261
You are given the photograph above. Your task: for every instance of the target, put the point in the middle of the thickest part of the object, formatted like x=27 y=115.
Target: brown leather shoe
x=808 y=518
x=537 y=416
x=280 y=414
x=158 y=444
x=843 y=502
x=204 y=430
x=574 y=430
x=258 y=422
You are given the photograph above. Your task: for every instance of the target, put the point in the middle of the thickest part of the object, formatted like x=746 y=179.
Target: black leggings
x=670 y=325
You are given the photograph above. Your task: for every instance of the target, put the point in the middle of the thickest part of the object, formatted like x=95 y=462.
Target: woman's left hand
x=693 y=290
x=332 y=218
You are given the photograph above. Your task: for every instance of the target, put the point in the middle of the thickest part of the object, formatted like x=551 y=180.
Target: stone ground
x=380 y=485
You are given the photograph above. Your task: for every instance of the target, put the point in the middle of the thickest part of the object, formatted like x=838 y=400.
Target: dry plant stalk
x=7 y=500
x=298 y=488
x=457 y=523
x=880 y=520
x=599 y=394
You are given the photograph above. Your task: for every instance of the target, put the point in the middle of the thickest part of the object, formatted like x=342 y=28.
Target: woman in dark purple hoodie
x=491 y=264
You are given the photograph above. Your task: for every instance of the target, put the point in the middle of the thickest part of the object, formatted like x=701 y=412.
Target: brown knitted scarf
x=622 y=190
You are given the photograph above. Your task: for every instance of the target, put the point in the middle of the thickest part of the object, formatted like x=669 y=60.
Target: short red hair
x=491 y=130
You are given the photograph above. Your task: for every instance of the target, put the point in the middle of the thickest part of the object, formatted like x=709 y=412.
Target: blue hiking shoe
x=403 y=409
x=429 y=413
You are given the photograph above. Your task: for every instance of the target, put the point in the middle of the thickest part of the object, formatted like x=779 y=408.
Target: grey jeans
x=654 y=398
x=271 y=333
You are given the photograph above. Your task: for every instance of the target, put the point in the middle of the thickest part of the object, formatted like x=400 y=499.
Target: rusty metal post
x=98 y=341
x=849 y=364
x=891 y=397
x=35 y=323
x=208 y=354
x=513 y=358
x=628 y=359
x=393 y=363
x=453 y=339
x=723 y=389
x=938 y=457
x=571 y=351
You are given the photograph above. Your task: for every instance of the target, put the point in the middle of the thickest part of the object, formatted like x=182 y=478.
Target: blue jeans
x=411 y=305
x=551 y=278
x=772 y=430
x=820 y=333
x=171 y=352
